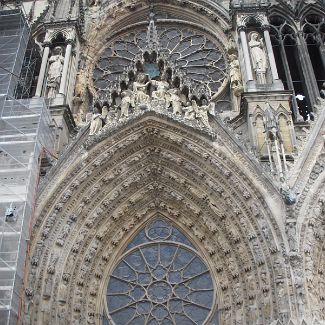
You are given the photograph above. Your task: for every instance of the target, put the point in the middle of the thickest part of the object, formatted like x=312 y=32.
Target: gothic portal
x=162 y=162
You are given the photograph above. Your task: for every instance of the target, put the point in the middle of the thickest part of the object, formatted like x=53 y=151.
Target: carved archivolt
x=87 y=216
x=312 y=246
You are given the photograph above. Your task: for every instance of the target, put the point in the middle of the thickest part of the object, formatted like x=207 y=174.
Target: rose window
x=195 y=58
x=161 y=279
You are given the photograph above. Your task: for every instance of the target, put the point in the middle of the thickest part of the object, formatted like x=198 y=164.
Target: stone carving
x=64 y=234
x=37 y=254
x=267 y=309
x=55 y=72
x=162 y=87
x=140 y=89
x=53 y=260
x=291 y=235
x=168 y=98
x=62 y=316
x=48 y=287
x=46 y=316
x=63 y=292
x=97 y=121
x=259 y=58
x=235 y=75
x=127 y=101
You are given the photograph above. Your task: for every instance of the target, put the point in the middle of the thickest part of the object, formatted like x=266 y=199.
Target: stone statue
x=55 y=72
x=291 y=234
x=270 y=124
x=48 y=287
x=201 y=112
x=127 y=101
x=96 y=123
x=140 y=89
x=258 y=56
x=176 y=102
x=235 y=75
x=162 y=87
x=63 y=292
x=189 y=111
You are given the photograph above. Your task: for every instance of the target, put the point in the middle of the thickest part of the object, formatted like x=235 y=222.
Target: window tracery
x=192 y=56
x=160 y=279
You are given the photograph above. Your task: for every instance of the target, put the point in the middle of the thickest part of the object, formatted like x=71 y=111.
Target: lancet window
x=284 y=41
x=314 y=35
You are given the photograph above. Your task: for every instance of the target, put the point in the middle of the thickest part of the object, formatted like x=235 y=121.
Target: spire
x=152 y=34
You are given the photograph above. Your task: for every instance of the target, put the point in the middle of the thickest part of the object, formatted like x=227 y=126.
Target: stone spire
x=152 y=34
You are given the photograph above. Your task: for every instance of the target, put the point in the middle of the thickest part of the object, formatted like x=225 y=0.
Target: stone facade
x=209 y=113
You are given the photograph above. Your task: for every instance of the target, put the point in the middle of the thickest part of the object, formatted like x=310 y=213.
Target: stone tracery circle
x=190 y=52
x=160 y=281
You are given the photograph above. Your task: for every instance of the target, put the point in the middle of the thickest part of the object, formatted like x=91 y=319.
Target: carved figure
x=189 y=111
x=291 y=234
x=162 y=87
x=55 y=72
x=258 y=56
x=96 y=123
x=176 y=101
x=48 y=287
x=235 y=75
x=266 y=306
x=63 y=292
x=270 y=123
x=201 y=112
x=127 y=101
x=140 y=89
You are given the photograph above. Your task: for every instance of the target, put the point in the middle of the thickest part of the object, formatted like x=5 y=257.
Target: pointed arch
x=153 y=165
x=168 y=270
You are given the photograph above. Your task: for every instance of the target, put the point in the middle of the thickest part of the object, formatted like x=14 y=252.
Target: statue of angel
x=201 y=112
x=162 y=87
x=97 y=120
x=189 y=110
x=127 y=101
x=175 y=100
x=140 y=89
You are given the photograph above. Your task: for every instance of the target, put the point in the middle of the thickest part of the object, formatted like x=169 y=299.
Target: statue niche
x=54 y=72
x=259 y=57
x=152 y=85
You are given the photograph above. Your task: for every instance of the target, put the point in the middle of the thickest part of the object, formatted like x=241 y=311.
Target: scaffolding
x=25 y=137
x=14 y=36
x=27 y=83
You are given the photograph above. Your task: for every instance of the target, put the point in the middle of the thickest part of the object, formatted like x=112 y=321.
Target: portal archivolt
x=114 y=186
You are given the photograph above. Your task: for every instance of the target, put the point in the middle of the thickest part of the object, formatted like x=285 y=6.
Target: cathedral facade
x=177 y=172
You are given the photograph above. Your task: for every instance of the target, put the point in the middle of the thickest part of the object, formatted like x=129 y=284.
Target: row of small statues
x=190 y=111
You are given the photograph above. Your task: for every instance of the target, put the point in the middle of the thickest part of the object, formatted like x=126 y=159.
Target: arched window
x=314 y=34
x=161 y=278
x=284 y=42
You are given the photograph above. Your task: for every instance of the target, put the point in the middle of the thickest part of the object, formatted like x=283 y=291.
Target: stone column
x=269 y=49
x=65 y=71
x=308 y=71
x=248 y=65
x=41 y=76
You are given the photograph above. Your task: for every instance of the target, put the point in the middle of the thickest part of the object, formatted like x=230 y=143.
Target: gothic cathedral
x=162 y=162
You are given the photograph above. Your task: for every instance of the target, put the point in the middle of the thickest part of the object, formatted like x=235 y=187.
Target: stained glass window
x=160 y=279
x=194 y=55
